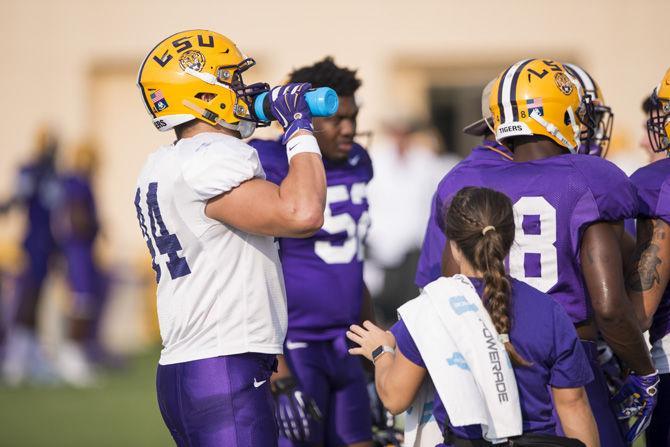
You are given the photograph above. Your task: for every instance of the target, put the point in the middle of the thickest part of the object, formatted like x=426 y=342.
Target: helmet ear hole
x=206 y=96
x=566 y=118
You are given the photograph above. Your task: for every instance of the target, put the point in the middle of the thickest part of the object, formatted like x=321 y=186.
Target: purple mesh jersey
x=653 y=192
x=429 y=267
x=555 y=199
x=324 y=273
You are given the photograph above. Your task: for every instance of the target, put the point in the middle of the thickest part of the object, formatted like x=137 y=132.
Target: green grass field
x=122 y=411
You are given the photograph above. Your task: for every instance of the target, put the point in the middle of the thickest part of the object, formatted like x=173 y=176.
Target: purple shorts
x=220 y=401
x=336 y=381
x=83 y=274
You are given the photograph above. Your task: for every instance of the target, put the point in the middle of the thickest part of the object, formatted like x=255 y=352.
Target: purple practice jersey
x=555 y=199
x=78 y=204
x=430 y=260
x=38 y=188
x=324 y=273
x=76 y=224
x=653 y=192
x=543 y=335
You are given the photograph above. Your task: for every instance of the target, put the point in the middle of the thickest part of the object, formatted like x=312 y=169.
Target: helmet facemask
x=603 y=128
x=588 y=121
x=659 y=114
x=231 y=75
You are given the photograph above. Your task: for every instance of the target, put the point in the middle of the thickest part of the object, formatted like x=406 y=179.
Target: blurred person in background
x=408 y=165
x=77 y=227
x=325 y=290
x=209 y=218
x=38 y=193
x=648 y=283
x=429 y=266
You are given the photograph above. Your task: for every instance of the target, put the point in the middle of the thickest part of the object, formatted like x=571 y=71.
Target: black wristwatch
x=381 y=349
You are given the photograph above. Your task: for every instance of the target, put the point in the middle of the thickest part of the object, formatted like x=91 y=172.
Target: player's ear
x=456 y=252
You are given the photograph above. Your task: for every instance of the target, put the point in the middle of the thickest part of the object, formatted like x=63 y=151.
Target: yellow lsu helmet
x=539 y=97
x=658 y=124
x=602 y=113
x=197 y=74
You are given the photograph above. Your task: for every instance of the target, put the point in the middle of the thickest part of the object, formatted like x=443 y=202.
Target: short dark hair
x=179 y=129
x=326 y=74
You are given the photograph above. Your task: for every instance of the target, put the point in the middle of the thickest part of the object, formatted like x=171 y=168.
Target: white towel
x=469 y=367
x=421 y=429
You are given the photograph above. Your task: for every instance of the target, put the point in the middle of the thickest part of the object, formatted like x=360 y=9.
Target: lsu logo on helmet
x=197 y=74
x=658 y=124
x=538 y=97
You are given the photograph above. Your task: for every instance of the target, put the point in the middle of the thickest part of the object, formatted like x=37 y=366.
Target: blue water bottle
x=322 y=101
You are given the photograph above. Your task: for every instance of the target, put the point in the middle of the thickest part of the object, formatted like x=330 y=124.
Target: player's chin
x=345 y=147
x=337 y=152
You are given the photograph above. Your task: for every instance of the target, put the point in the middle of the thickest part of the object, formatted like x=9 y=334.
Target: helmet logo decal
x=164 y=59
x=535 y=104
x=564 y=83
x=159 y=101
x=192 y=59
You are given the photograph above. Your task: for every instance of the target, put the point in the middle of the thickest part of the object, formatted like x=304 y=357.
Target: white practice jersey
x=220 y=290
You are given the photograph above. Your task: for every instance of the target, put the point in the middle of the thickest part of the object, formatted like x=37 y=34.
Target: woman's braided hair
x=481 y=223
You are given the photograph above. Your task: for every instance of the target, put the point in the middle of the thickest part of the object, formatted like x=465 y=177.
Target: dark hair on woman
x=481 y=223
x=326 y=74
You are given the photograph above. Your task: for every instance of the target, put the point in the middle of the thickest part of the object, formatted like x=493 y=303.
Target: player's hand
x=637 y=397
x=288 y=105
x=369 y=337
x=294 y=410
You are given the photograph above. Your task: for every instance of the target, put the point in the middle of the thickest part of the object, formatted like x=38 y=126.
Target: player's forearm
x=283 y=370
x=602 y=268
x=576 y=417
x=648 y=278
x=303 y=193
x=390 y=390
x=623 y=335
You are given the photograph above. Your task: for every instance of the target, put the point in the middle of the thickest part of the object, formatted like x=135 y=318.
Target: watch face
x=377 y=351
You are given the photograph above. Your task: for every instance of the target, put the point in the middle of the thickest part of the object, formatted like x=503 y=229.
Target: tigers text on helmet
x=658 y=124
x=539 y=97
x=197 y=74
x=602 y=113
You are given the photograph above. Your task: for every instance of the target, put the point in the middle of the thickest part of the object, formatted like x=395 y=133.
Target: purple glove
x=637 y=397
x=288 y=105
x=294 y=411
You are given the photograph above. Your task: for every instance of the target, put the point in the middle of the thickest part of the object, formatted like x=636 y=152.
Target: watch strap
x=381 y=349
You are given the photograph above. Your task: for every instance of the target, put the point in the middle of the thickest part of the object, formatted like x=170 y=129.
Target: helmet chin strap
x=552 y=129
x=245 y=128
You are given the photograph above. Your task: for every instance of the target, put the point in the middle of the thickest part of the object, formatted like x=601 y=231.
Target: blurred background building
x=71 y=65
